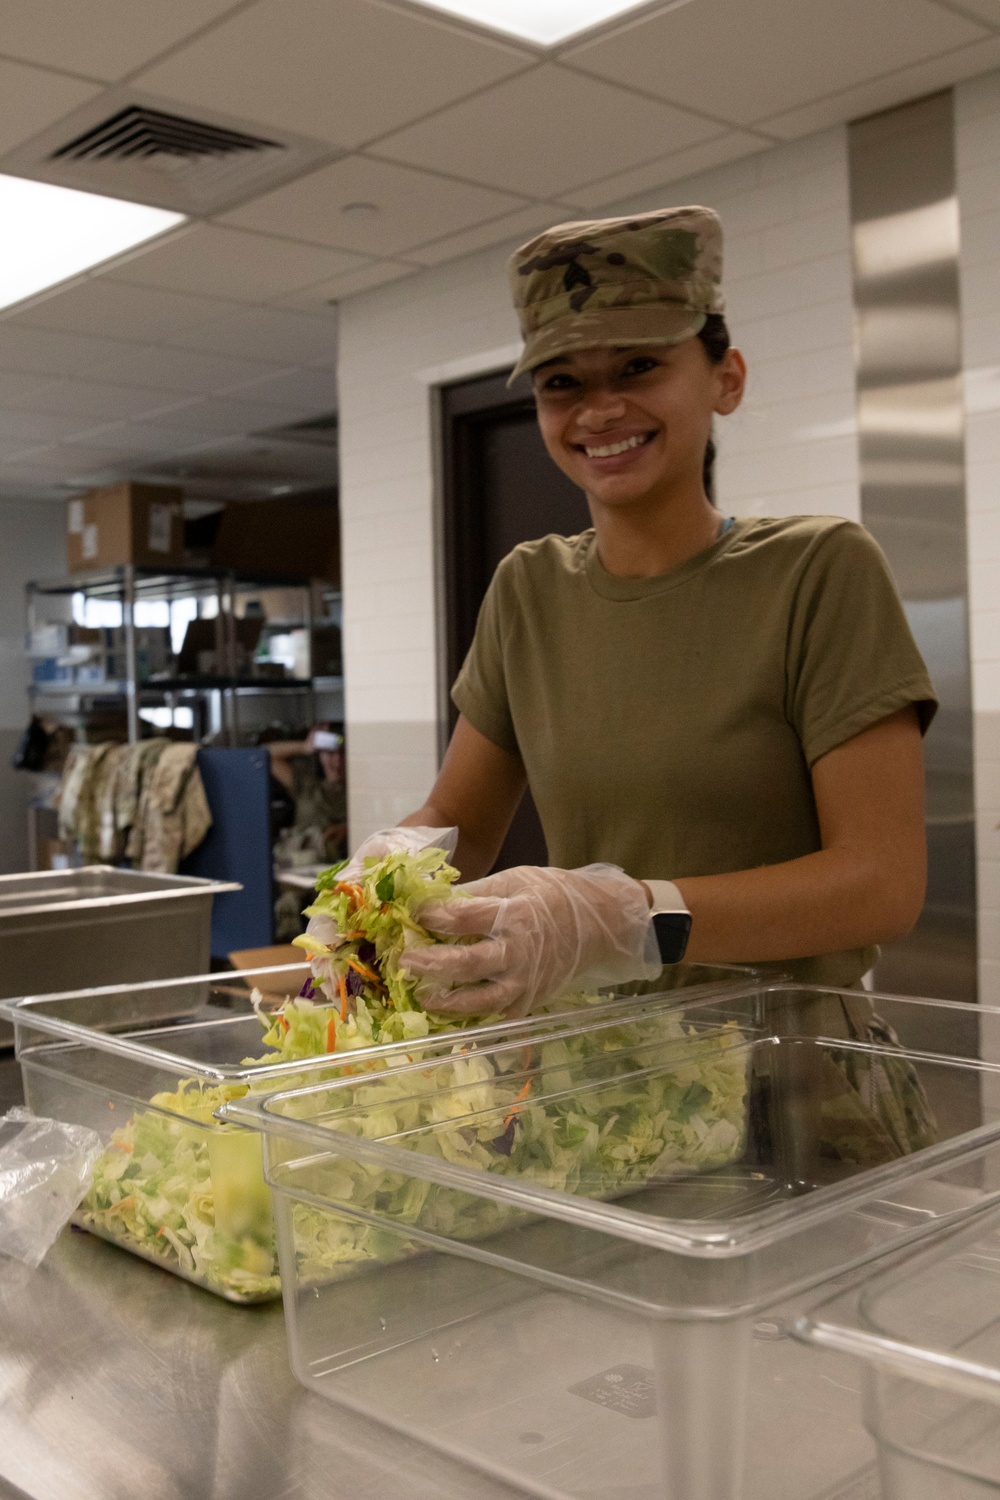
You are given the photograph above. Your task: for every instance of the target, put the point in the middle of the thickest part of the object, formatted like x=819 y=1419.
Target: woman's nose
x=600 y=406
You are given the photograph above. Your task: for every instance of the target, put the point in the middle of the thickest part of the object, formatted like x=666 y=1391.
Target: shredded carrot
x=283 y=1021
x=363 y=970
x=122 y=1146
x=525 y=1091
x=124 y=1203
x=342 y=989
x=346 y=887
x=331 y=1035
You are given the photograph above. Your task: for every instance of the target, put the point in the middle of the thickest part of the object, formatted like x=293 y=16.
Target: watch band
x=671 y=920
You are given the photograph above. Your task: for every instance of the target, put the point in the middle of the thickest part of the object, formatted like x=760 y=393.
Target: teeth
x=612 y=448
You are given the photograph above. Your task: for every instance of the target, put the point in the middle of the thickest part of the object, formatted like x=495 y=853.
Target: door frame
x=436 y=379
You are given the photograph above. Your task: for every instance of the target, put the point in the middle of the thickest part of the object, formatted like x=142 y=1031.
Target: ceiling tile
x=343 y=73
x=303 y=392
x=142 y=438
x=97 y=401
x=44 y=352
x=327 y=293
x=222 y=262
x=84 y=466
x=117 y=37
x=884 y=93
x=251 y=332
x=667 y=169
x=521 y=224
x=29 y=428
x=746 y=60
x=115 y=309
x=545 y=132
x=163 y=369
x=221 y=415
x=334 y=207
x=18 y=390
x=31 y=99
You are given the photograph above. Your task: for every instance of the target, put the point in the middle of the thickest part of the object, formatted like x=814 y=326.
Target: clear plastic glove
x=541 y=930
x=377 y=846
x=392 y=840
x=45 y=1169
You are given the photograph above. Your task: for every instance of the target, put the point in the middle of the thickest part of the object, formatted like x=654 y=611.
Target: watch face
x=672 y=930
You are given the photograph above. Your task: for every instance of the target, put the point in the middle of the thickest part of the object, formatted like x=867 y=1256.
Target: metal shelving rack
x=215 y=698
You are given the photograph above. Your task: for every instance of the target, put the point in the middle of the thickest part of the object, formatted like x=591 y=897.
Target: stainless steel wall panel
x=905 y=228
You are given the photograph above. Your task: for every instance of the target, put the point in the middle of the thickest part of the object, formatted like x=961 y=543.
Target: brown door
x=501 y=488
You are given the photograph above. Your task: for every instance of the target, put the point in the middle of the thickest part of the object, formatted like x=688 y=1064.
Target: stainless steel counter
x=118 y=1380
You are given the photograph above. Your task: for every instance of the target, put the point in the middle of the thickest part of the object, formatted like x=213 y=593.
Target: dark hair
x=714 y=337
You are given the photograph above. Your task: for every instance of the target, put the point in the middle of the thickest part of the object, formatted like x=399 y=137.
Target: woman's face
x=630 y=425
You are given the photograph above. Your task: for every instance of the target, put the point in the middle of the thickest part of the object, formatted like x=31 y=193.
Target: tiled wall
x=792 y=448
x=977 y=128
x=32 y=545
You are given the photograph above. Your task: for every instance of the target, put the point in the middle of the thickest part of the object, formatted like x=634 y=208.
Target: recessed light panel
x=543 y=21
x=53 y=233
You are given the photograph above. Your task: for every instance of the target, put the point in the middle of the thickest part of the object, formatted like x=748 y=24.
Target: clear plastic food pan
x=174 y=1185
x=928 y=1335
x=549 y=1256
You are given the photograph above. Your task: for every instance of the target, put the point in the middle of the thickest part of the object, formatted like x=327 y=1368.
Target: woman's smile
x=611 y=446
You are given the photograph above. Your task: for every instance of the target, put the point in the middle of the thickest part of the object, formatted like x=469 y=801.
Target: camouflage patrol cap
x=644 y=279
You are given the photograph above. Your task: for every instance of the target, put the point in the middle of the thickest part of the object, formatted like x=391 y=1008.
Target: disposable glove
x=392 y=840
x=377 y=846
x=541 y=929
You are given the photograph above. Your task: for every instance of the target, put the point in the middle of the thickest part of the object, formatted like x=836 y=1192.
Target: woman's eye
x=640 y=365
x=559 y=383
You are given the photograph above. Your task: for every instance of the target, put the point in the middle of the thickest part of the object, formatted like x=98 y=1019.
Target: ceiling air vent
x=320 y=432
x=141 y=150
x=138 y=132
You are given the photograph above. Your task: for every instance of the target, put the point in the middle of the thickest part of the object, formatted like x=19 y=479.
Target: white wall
x=792 y=448
x=977 y=129
x=32 y=545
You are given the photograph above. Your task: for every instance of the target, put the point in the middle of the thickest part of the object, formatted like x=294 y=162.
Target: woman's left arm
x=866 y=885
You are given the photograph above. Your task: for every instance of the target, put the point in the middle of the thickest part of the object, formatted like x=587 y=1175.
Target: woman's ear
x=730 y=382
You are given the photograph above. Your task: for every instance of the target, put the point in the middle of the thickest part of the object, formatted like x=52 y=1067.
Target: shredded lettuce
x=679 y=1108
x=180 y=1189
x=358 y=934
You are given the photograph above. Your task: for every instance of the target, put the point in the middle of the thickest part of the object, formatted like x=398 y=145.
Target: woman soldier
x=719 y=720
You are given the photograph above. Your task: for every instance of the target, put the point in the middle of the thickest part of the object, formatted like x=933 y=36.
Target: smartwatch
x=671 y=920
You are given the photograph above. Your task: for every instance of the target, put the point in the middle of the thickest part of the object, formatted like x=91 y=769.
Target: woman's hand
x=541 y=929
x=393 y=840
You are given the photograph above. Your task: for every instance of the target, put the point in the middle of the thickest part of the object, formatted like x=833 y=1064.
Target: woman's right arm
x=478 y=790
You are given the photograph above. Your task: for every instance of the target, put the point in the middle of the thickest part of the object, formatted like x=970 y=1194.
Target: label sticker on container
x=628 y=1389
x=75 y=522
x=88 y=544
x=160 y=517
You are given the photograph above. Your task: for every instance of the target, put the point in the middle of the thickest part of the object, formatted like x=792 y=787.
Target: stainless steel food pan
x=74 y=929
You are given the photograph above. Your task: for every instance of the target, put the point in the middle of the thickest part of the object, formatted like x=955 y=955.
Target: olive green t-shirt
x=668 y=725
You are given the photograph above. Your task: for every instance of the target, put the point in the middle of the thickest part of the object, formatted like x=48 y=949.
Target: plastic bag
x=45 y=1170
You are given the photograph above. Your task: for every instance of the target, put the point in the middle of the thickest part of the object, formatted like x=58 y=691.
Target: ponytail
x=715 y=340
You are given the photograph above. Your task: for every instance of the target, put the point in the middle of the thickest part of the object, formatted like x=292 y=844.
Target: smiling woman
x=719 y=719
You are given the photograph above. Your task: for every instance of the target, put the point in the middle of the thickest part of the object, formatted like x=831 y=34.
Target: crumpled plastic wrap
x=45 y=1169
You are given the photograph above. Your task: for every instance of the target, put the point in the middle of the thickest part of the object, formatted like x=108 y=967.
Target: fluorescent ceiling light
x=51 y=233
x=542 y=21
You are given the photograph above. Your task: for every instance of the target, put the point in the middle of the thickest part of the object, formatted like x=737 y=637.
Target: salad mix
x=179 y=1188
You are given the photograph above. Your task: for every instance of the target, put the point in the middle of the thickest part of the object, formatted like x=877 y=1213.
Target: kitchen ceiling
x=422 y=138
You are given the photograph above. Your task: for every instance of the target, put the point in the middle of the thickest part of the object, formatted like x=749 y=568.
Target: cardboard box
x=141 y=524
x=279 y=539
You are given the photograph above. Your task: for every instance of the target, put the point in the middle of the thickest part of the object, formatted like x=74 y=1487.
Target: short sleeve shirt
x=669 y=724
